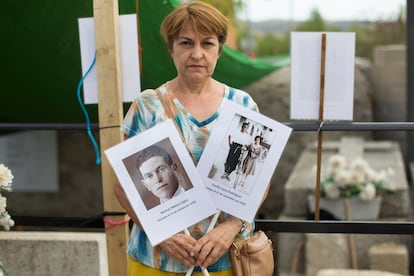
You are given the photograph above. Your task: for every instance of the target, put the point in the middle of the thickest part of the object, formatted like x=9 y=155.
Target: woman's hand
x=209 y=248
x=179 y=247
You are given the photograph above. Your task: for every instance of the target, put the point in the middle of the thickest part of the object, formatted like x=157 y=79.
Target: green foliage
x=227 y=7
x=314 y=24
x=378 y=33
x=268 y=45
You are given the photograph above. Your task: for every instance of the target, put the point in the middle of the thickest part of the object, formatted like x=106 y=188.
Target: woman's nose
x=197 y=52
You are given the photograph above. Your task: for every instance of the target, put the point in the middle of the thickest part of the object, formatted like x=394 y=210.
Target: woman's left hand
x=209 y=248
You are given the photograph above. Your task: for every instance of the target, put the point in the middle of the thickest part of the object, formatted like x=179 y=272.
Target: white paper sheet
x=229 y=195
x=339 y=75
x=161 y=220
x=130 y=75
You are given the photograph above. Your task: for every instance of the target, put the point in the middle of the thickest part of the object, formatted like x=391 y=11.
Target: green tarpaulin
x=40 y=57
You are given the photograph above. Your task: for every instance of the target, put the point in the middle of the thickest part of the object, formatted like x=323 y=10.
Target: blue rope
x=85 y=112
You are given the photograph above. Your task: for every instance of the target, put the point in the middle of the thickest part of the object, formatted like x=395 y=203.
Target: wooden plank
x=320 y=121
x=409 y=74
x=110 y=117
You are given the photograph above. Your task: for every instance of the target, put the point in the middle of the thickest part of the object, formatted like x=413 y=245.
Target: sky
x=259 y=10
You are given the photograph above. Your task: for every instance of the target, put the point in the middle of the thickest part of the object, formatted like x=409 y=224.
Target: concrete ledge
x=351 y=272
x=392 y=257
x=53 y=253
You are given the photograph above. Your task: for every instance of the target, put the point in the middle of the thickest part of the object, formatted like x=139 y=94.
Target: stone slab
x=53 y=253
x=326 y=251
x=391 y=257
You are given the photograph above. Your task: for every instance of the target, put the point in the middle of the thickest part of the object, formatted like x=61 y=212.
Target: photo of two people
x=242 y=153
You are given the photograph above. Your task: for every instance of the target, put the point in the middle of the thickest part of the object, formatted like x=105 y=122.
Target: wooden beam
x=110 y=117
x=410 y=79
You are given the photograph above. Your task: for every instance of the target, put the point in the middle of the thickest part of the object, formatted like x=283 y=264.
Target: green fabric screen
x=41 y=64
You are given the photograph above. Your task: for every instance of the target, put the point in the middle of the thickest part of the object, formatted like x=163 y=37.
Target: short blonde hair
x=204 y=18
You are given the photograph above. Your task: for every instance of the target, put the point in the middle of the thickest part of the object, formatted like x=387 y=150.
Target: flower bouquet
x=6 y=178
x=343 y=179
x=358 y=183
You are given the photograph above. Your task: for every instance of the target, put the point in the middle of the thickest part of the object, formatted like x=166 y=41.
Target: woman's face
x=195 y=56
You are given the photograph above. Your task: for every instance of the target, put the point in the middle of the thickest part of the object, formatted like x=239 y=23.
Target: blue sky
x=258 y=10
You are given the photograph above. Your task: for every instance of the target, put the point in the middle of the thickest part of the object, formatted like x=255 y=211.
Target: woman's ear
x=171 y=52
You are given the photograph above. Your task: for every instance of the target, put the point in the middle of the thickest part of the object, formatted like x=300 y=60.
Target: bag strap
x=170 y=110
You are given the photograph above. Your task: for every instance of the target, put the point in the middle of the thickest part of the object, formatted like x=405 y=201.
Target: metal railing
x=293 y=226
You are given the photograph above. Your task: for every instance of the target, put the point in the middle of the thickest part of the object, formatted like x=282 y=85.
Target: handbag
x=252 y=256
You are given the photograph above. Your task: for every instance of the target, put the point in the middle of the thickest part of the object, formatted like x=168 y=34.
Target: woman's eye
x=185 y=43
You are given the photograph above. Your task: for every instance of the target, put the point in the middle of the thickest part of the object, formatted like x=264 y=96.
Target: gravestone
x=379 y=154
x=302 y=182
x=53 y=253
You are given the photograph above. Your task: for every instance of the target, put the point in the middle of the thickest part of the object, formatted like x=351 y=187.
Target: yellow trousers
x=137 y=269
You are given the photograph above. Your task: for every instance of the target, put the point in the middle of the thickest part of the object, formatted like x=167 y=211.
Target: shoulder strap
x=168 y=105
x=170 y=110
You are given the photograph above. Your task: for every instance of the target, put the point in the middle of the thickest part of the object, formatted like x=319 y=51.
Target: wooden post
x=321 y=108
x=110 y=117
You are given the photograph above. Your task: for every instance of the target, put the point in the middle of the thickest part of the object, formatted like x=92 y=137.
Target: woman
x=249 y=163
x=195 y=34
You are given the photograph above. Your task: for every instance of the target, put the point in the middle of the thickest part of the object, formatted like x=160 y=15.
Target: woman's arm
x=214 y=244
x=123 y=200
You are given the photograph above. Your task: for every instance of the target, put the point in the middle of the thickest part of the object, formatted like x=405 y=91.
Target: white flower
x=368 y=193
x=357 y=176
x=343 y=179
x=337 y=161
x=332 y=192
x=6 y=178
x=360 y=165
x=6 y=221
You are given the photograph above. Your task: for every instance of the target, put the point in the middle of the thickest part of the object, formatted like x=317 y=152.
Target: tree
x=314 y=24
x=271 y=45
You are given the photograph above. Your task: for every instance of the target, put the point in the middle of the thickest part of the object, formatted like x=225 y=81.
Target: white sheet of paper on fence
x=161 y=220
x=128 y=43
x=229 y=194
x=306 y=70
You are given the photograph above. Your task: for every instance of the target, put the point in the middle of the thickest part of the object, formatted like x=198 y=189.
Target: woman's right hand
x=179 y=247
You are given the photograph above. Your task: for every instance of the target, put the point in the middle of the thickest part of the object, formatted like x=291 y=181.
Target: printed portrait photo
x=157 y=173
